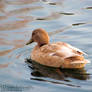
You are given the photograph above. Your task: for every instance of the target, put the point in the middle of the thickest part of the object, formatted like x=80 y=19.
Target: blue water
x=65 y=20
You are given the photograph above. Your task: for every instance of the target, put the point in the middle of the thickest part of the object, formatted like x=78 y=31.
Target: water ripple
x=65 y=20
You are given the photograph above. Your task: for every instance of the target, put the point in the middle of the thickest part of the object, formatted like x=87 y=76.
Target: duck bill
x=29 y=42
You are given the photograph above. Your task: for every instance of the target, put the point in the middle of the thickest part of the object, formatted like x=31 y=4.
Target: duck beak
x=29 y=42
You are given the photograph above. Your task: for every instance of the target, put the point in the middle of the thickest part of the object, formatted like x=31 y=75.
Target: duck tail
x=75 y=58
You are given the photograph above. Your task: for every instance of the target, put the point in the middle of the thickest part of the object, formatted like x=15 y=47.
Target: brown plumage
x=57 y=54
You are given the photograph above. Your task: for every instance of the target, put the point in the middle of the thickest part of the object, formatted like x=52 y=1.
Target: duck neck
x=42 y=44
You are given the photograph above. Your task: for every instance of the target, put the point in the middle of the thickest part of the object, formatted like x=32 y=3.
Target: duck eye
x=33 y=33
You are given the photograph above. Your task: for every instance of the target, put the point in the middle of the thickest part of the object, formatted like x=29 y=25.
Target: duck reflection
x=56 y=73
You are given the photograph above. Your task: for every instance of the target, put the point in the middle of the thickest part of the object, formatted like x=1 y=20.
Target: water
x=65 y=20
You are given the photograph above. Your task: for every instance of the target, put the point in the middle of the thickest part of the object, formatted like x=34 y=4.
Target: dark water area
x=65 y=20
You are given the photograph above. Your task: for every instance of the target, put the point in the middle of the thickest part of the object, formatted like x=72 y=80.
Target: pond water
x=65 y=20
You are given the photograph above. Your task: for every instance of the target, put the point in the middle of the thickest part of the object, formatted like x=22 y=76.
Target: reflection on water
x=2 y=5
x=78 y=24
x=65 y=20
x=58 y=74
x=21 y=2
x=2 y=53
x=14 y=25
x=4 y=65
x=53 y=2
x=88 y=8
x=67 y=13
x=59 y=30
x=54 y=15
x=23 y=10
x=2 y=17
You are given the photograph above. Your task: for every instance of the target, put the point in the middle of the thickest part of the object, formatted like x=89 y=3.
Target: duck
x=58 y=54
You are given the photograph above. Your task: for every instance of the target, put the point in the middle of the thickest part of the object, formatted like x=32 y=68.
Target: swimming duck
x=59 y=54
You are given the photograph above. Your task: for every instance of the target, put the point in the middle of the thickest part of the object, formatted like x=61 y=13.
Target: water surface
x=65 y=20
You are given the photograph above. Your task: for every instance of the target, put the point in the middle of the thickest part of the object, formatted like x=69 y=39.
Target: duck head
x=40 y=36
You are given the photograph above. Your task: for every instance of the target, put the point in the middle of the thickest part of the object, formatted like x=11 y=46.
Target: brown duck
x=59 y=54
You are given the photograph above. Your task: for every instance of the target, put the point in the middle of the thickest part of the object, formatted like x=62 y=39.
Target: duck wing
x=72 y=54
x=50 y=48
x=76 y=50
